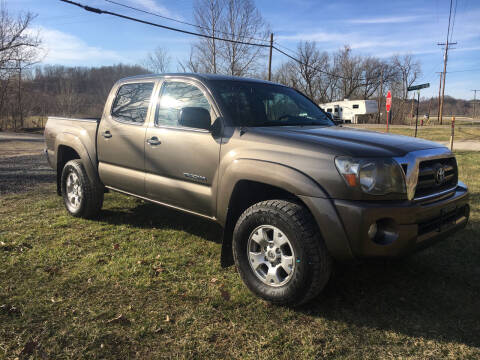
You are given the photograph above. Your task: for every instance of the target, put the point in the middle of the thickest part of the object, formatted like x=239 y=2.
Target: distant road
x=20 y=136
x=23 y=165
x=15 y=144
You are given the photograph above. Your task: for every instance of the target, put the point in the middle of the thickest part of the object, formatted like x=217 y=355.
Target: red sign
x=389 y=100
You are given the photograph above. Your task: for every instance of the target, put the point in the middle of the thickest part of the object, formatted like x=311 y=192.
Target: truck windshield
x=261 y=104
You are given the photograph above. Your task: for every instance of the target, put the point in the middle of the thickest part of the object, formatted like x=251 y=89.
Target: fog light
x=372 y=231
x=386 y=231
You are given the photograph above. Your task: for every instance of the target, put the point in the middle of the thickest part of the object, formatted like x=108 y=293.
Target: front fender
x=310 y=193
x=270 y=173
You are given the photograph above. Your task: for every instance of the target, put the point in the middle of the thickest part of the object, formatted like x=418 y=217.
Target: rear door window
x=131 y=103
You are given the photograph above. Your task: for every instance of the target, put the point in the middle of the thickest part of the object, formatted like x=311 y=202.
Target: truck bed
x=83 y=130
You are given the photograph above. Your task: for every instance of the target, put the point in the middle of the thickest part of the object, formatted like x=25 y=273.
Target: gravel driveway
x=22 y=163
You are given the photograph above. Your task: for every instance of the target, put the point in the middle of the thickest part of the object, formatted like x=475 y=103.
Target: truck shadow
x=432 y=294
x=147 y=215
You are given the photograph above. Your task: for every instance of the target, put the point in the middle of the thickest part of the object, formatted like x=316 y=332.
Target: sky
x=73 y=37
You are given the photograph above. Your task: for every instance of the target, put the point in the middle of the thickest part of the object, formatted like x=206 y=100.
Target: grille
x=443 y=221
x=428 y=180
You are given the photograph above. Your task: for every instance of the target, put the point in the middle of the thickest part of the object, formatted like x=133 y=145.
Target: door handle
x=107 y=134
x=154 y=141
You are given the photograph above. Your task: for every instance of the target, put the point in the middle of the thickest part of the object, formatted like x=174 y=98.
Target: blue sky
x=380 y=28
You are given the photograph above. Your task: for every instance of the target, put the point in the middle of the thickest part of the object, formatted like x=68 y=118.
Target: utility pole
x=474 y=101
x=439 y=94
x=445 y=59
x=270 y=59
x=428 y=112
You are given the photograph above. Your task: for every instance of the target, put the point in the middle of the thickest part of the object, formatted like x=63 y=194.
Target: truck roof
x=201 y=77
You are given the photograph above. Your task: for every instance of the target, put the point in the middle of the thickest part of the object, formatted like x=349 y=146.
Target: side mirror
x=195 y=117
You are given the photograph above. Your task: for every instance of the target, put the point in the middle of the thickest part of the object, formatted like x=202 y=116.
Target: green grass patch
x=143 y=281
x=440 y=133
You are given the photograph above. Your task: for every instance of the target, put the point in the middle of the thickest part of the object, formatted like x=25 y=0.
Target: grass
x=439 y=133
x=145 y=282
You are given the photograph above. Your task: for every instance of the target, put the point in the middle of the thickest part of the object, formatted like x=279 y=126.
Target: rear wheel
x=81 y=197
x=279 y=252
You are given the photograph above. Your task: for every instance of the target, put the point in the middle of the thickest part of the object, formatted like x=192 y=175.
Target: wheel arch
x=69 y=147
x=242 y=185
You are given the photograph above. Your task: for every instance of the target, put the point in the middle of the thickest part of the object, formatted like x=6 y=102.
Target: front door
x=121 y=138
x=181 y=160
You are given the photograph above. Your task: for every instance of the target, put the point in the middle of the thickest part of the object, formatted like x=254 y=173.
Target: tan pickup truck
x=292 y=191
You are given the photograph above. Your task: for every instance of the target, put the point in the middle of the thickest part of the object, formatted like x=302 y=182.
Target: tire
x=81 y=197
x=312 y=265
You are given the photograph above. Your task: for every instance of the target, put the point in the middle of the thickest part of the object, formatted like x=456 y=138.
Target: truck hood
x=349 y=141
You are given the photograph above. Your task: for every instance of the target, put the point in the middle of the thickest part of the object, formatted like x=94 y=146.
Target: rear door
x=181 y=162
x=121 y=137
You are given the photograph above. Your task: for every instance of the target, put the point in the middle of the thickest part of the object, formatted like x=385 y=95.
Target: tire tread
x=93 y=193
x=321 y=265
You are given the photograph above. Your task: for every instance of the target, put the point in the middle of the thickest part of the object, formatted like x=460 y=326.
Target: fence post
x=452 y=134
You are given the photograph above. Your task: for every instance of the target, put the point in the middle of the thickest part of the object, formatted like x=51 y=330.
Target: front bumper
x=413 y=225
x=416 y=224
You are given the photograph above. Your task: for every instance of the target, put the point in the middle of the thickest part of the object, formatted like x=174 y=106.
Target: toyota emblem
x=440 y=176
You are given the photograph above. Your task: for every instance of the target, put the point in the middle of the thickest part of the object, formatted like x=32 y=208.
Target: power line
x=454 y=15
x=457 y=71
x=286 y=48
x=445 y=59
x=180 y=21
x=304 y=64
x=100 y=11
x=313 y=67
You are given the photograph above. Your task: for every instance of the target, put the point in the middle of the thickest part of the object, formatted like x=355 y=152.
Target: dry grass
x=145 y=282
x=434 y=133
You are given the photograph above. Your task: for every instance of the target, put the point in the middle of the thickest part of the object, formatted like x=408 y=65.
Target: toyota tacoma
x=292 y=191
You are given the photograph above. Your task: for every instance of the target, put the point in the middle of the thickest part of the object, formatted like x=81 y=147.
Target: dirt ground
x=22 y=162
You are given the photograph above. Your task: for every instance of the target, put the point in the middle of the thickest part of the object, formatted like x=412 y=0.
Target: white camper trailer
x=349 y=111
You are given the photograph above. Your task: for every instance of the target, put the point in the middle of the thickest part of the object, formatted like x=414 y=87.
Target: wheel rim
x=74 y=191
x=270 y=255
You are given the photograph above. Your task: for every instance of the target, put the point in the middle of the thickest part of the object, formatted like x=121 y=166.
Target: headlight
x=372 y=176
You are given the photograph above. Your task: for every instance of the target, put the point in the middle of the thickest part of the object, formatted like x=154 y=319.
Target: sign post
x=416 y=119
x=418 y=87
x=388 y=106
x=453 y=133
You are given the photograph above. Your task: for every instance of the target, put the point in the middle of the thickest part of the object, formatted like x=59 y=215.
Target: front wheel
x=82 y=198
x=279 y=252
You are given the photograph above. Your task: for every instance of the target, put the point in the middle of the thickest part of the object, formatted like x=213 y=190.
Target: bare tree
x=409 y=70
x=388 y=75
x=18 y=50
x=208 y=17
x=242 y=22
x=158 y=61
x=372 y=75
x=192 y=64
x=311 y=70
x=236 y=20
x=16 y=42
x=349 y=69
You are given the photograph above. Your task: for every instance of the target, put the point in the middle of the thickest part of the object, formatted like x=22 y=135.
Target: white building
x=349 y=111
